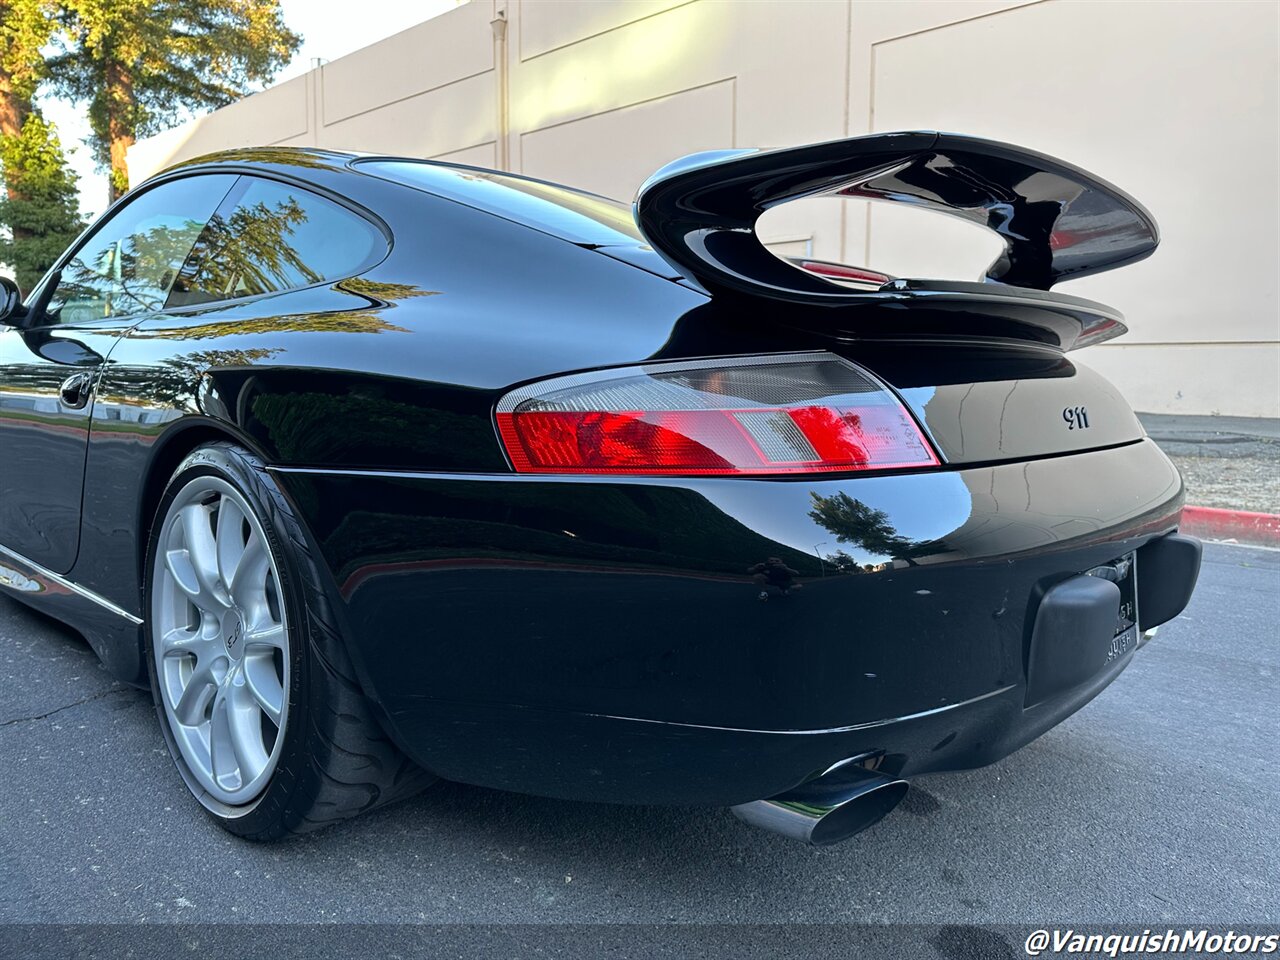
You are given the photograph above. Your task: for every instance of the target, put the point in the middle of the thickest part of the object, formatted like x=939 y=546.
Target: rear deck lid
x=985 y=404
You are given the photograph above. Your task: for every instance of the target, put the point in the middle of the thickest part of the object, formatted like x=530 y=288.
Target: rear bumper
x=604 y=640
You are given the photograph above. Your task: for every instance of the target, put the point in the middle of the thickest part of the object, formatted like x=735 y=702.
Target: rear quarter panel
x=398 y=368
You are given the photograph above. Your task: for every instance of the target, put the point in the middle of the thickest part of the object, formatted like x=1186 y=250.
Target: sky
x=329 y=31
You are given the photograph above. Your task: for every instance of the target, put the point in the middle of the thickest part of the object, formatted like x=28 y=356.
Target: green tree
x=38 y=208
x=41 y=208
x=140 y=64
x=25 y=28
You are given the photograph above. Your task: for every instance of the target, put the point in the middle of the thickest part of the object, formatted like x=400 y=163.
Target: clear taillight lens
x=801 y=413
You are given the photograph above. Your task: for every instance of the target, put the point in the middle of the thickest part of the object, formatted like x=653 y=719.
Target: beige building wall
x=1174 y=101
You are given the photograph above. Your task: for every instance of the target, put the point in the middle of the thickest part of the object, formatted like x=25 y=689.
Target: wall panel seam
x=592 y=36
x=639 y=103
x=953 y=23
x=473 y=146
x=408 y=96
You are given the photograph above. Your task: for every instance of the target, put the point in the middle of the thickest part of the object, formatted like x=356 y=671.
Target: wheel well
x=163 y=463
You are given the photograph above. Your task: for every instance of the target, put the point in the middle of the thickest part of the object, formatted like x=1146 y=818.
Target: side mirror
x=10 y=302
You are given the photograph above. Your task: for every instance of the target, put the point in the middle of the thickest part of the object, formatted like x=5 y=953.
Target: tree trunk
x=120 y=123
x=14 y=110
x=13 y=107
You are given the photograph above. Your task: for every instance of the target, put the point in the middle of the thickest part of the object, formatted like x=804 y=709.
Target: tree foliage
x=140 y=64
x=38 y=208
x=25 y=28
x=136 y=65
x=41 y=207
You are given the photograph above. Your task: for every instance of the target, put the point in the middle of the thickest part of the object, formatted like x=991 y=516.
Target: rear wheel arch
x=173 y=446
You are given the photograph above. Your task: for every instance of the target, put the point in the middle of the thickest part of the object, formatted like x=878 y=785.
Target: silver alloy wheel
x=220 y=638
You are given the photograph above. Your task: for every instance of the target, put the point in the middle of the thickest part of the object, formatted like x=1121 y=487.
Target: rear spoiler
x=1056 y=220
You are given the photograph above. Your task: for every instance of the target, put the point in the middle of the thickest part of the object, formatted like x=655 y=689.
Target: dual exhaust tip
x=846 y=799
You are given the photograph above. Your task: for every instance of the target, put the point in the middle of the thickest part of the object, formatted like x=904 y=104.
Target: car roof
x=271 y=156
x=578 y=216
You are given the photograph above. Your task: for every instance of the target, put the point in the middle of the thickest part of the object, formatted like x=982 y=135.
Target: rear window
x=268 y=236
x=573 y=214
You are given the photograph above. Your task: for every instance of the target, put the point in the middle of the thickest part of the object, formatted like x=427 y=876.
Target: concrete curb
x=1211 y=523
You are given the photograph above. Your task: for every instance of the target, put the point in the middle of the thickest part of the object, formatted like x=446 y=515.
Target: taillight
x=801 y=413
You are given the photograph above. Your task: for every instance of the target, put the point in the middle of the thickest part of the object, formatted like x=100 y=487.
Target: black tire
x=335 y=761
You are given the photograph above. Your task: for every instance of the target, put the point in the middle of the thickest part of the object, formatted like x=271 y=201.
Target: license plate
x=1124 y=574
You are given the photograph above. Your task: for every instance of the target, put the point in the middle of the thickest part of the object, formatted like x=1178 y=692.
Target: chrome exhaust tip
x=845 y=800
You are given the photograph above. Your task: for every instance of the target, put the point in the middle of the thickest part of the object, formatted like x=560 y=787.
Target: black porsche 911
x=379 y=471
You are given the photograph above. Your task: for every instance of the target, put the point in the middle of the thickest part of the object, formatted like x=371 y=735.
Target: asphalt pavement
x=1156 y=803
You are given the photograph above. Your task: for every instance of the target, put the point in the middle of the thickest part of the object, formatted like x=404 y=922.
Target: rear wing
x=1056 y=220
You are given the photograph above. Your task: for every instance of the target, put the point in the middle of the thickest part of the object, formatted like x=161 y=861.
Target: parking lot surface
x=1156 y=803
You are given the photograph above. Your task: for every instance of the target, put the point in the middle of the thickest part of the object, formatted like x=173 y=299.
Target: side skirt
x=113 y=633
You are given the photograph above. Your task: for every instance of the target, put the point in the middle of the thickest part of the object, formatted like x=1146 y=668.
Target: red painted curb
x=1244 y=525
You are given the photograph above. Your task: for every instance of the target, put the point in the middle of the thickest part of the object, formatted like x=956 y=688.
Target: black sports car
x=379 y=471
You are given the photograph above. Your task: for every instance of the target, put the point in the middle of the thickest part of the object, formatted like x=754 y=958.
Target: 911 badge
x=1076 y=417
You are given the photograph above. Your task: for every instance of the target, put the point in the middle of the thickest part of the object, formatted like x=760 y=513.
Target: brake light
x=801 y=413
x=841 y=271
x=1098 y=330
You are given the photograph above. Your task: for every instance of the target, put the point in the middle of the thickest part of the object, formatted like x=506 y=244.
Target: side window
x=128 y=264
x=270 y=236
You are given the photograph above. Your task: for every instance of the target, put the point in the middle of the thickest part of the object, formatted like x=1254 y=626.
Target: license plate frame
x=1123 y=572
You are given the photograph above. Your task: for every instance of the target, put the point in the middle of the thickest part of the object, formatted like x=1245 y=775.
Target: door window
x=128 y=265
x=269 y=236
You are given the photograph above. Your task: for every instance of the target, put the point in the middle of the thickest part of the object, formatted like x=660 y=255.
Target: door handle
x=76 y=390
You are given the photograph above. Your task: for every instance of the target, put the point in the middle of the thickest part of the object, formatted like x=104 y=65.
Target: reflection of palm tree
x=383 y=292
x=248 y=252
x=175 y=382
x=149 y=262
x=377 y=294
x=852 y=521
x=343 y=321
x=293 y=156
x=131 y=275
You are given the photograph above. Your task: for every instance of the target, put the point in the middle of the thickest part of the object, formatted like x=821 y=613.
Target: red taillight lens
x=805 y=413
